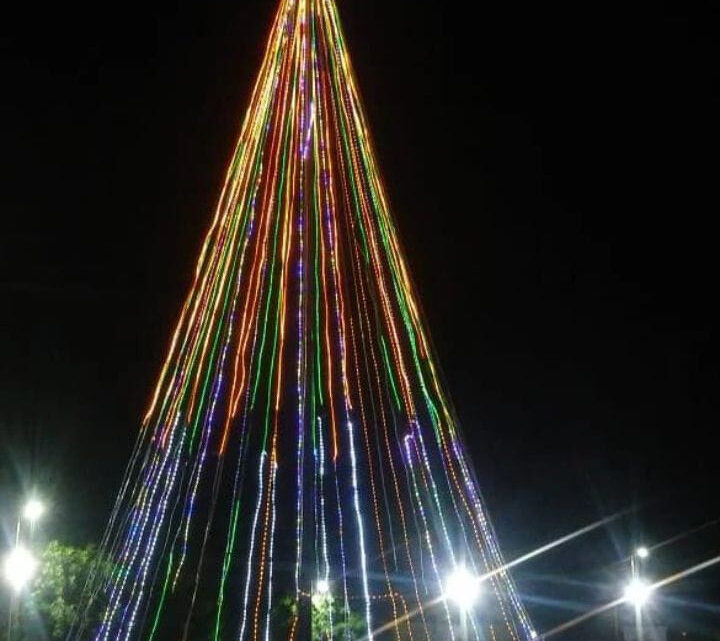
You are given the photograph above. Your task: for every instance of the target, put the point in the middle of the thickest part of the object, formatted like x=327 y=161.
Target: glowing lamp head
x=33 y=510
x=20 y=568
x=321 y=596
x=462 y=588
x=642 y=552
x=637 y=592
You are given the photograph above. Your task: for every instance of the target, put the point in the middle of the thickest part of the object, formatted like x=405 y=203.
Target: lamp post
x=20 y=565
x=636 y=560
x=638 y=592
x=19 y=568
x=32 y=511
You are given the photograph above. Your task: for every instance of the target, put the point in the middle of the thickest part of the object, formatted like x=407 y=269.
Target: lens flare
x=463 y=589
x=637 y=592
x=20 y=568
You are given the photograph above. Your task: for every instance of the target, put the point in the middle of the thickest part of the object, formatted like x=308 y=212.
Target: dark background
x=553 y=171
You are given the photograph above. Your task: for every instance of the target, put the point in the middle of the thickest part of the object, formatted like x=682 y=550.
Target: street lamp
x=637 y=593
x=462 y=588
x=20 y=567
x=642 y=552
x=33 y=510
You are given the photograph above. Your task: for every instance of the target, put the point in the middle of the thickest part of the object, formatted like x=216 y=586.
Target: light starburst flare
x=20 y=567
x=637 y=592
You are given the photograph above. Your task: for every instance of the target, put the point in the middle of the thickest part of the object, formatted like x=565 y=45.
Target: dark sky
x=553 y=171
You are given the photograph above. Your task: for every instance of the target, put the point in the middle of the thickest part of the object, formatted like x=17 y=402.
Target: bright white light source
x=533 y=634
x=20 y=567
x=637 y=592
x=642 y=552
x=462 y=588
x=321 y=596
x=33 y=510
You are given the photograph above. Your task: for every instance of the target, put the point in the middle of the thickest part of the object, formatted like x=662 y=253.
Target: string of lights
x=298 y=440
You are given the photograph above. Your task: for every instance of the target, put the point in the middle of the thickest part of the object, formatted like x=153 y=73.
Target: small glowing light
x=637 y=592
x=33 y=510
x=321 y=595
x=463 y=588
x=642 y=552
x=533 y=634
x=20 y=567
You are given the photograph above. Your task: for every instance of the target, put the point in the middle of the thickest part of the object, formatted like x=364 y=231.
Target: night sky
x=552 y=167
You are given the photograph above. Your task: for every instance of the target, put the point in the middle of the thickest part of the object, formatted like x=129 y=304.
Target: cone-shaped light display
x=299 y=473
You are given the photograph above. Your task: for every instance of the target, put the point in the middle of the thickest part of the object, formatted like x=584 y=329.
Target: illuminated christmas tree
x=299 y=473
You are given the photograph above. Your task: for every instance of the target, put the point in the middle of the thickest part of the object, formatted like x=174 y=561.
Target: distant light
x=33 y=510
x=462 y=588
x=642 y=552
x=20 y=567
x=321 y=595
x=637 y=592
x=533 y=634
